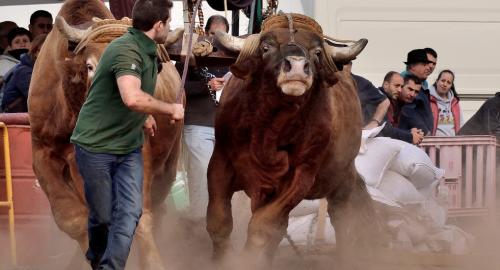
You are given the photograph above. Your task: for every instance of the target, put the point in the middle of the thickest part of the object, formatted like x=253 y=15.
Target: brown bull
x=288 y=128
x=59 y=85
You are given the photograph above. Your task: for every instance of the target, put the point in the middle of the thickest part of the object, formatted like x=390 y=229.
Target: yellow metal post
x=10 y=202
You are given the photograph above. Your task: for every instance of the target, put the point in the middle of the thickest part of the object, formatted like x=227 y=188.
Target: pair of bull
x=288 y=128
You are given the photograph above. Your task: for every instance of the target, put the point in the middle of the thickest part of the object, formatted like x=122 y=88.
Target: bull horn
x=234 y=44
x=173 y=36
x=71 y=33
x=343 y=55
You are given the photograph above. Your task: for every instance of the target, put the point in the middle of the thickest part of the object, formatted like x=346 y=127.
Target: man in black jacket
x=417 y=112
x=392 y=87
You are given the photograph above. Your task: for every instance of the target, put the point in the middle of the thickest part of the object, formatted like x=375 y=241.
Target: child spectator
x=19 y=42
x=17 y=81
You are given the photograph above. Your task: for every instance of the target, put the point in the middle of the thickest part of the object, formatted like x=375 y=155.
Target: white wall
x=464 y=33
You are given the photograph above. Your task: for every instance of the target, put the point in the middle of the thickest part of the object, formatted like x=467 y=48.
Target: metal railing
x=470 y=172
x=9 y=202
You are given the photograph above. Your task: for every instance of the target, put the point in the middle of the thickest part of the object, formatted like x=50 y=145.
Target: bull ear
x=247 y=61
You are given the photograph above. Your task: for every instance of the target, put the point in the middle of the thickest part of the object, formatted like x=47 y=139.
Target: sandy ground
x=186 y=246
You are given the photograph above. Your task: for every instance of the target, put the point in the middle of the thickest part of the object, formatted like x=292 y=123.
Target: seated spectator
x=40 y=23
x=486 y=121
x=416 y=112
x=392 y=85
x=5 y=28
x=17 y=81
x=374 y=104
x=446 y=111
x=19 y=43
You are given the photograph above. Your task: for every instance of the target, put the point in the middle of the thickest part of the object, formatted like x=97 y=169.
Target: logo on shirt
x=133 y=66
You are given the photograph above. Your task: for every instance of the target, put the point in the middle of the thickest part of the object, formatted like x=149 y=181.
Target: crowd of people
x=411 y=107
x=19 y=49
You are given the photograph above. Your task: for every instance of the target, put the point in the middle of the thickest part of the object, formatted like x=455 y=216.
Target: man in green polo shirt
x=109 y=134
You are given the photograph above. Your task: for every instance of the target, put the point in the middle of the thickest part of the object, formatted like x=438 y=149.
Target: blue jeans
x=113 y=190
x=200 y=142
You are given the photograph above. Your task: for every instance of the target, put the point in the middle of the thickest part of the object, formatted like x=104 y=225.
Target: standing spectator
x=199 y=134
x=40 y=22
x=417 y=64
x=445 y=107
x=5 y=28
x=392 y=87
x=17 y=82
x=416 y=112
x=374 y=104
x=19 y=42
x=109 y=134
x=432 y=58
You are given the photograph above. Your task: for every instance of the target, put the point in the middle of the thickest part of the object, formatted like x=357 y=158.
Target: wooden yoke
x=219 y=57
x=179 y=50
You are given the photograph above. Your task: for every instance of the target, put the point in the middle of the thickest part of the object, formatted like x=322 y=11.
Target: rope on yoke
x=181 y=92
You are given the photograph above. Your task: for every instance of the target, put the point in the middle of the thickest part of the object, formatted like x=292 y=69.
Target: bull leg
x=149 y=255
x=69 y=211
x=269 y=222
x=266 y=229
x=352 y=214
x=220 y=192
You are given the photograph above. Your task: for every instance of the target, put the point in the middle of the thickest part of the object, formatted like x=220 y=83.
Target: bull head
x=99 y=36
x=294 y=58
x=341 y=54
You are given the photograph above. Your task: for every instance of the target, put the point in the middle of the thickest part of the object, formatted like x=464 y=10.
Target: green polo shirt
x=105 y=124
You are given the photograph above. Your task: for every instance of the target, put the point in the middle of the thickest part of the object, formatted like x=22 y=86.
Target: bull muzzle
x=295 y=76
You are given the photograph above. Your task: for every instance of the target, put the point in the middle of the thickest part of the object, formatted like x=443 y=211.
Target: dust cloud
x=185 y=245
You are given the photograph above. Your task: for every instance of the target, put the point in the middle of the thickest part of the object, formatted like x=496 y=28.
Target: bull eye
x=317 y=52
x=265 y=48
x=89 y=67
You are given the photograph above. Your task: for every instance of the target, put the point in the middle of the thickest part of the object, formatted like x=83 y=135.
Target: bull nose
x=296 y=65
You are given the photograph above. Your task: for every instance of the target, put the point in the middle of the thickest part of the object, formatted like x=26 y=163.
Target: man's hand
x=150 y=126
x=176 y=113
x=216 y=84
x=418 y=135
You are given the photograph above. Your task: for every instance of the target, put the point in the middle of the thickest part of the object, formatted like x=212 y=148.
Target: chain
x=201 y=18
x=207 y=76
x=272 y=6
x=201 y=21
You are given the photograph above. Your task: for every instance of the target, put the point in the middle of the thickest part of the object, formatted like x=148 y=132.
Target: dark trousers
x=113 y=190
